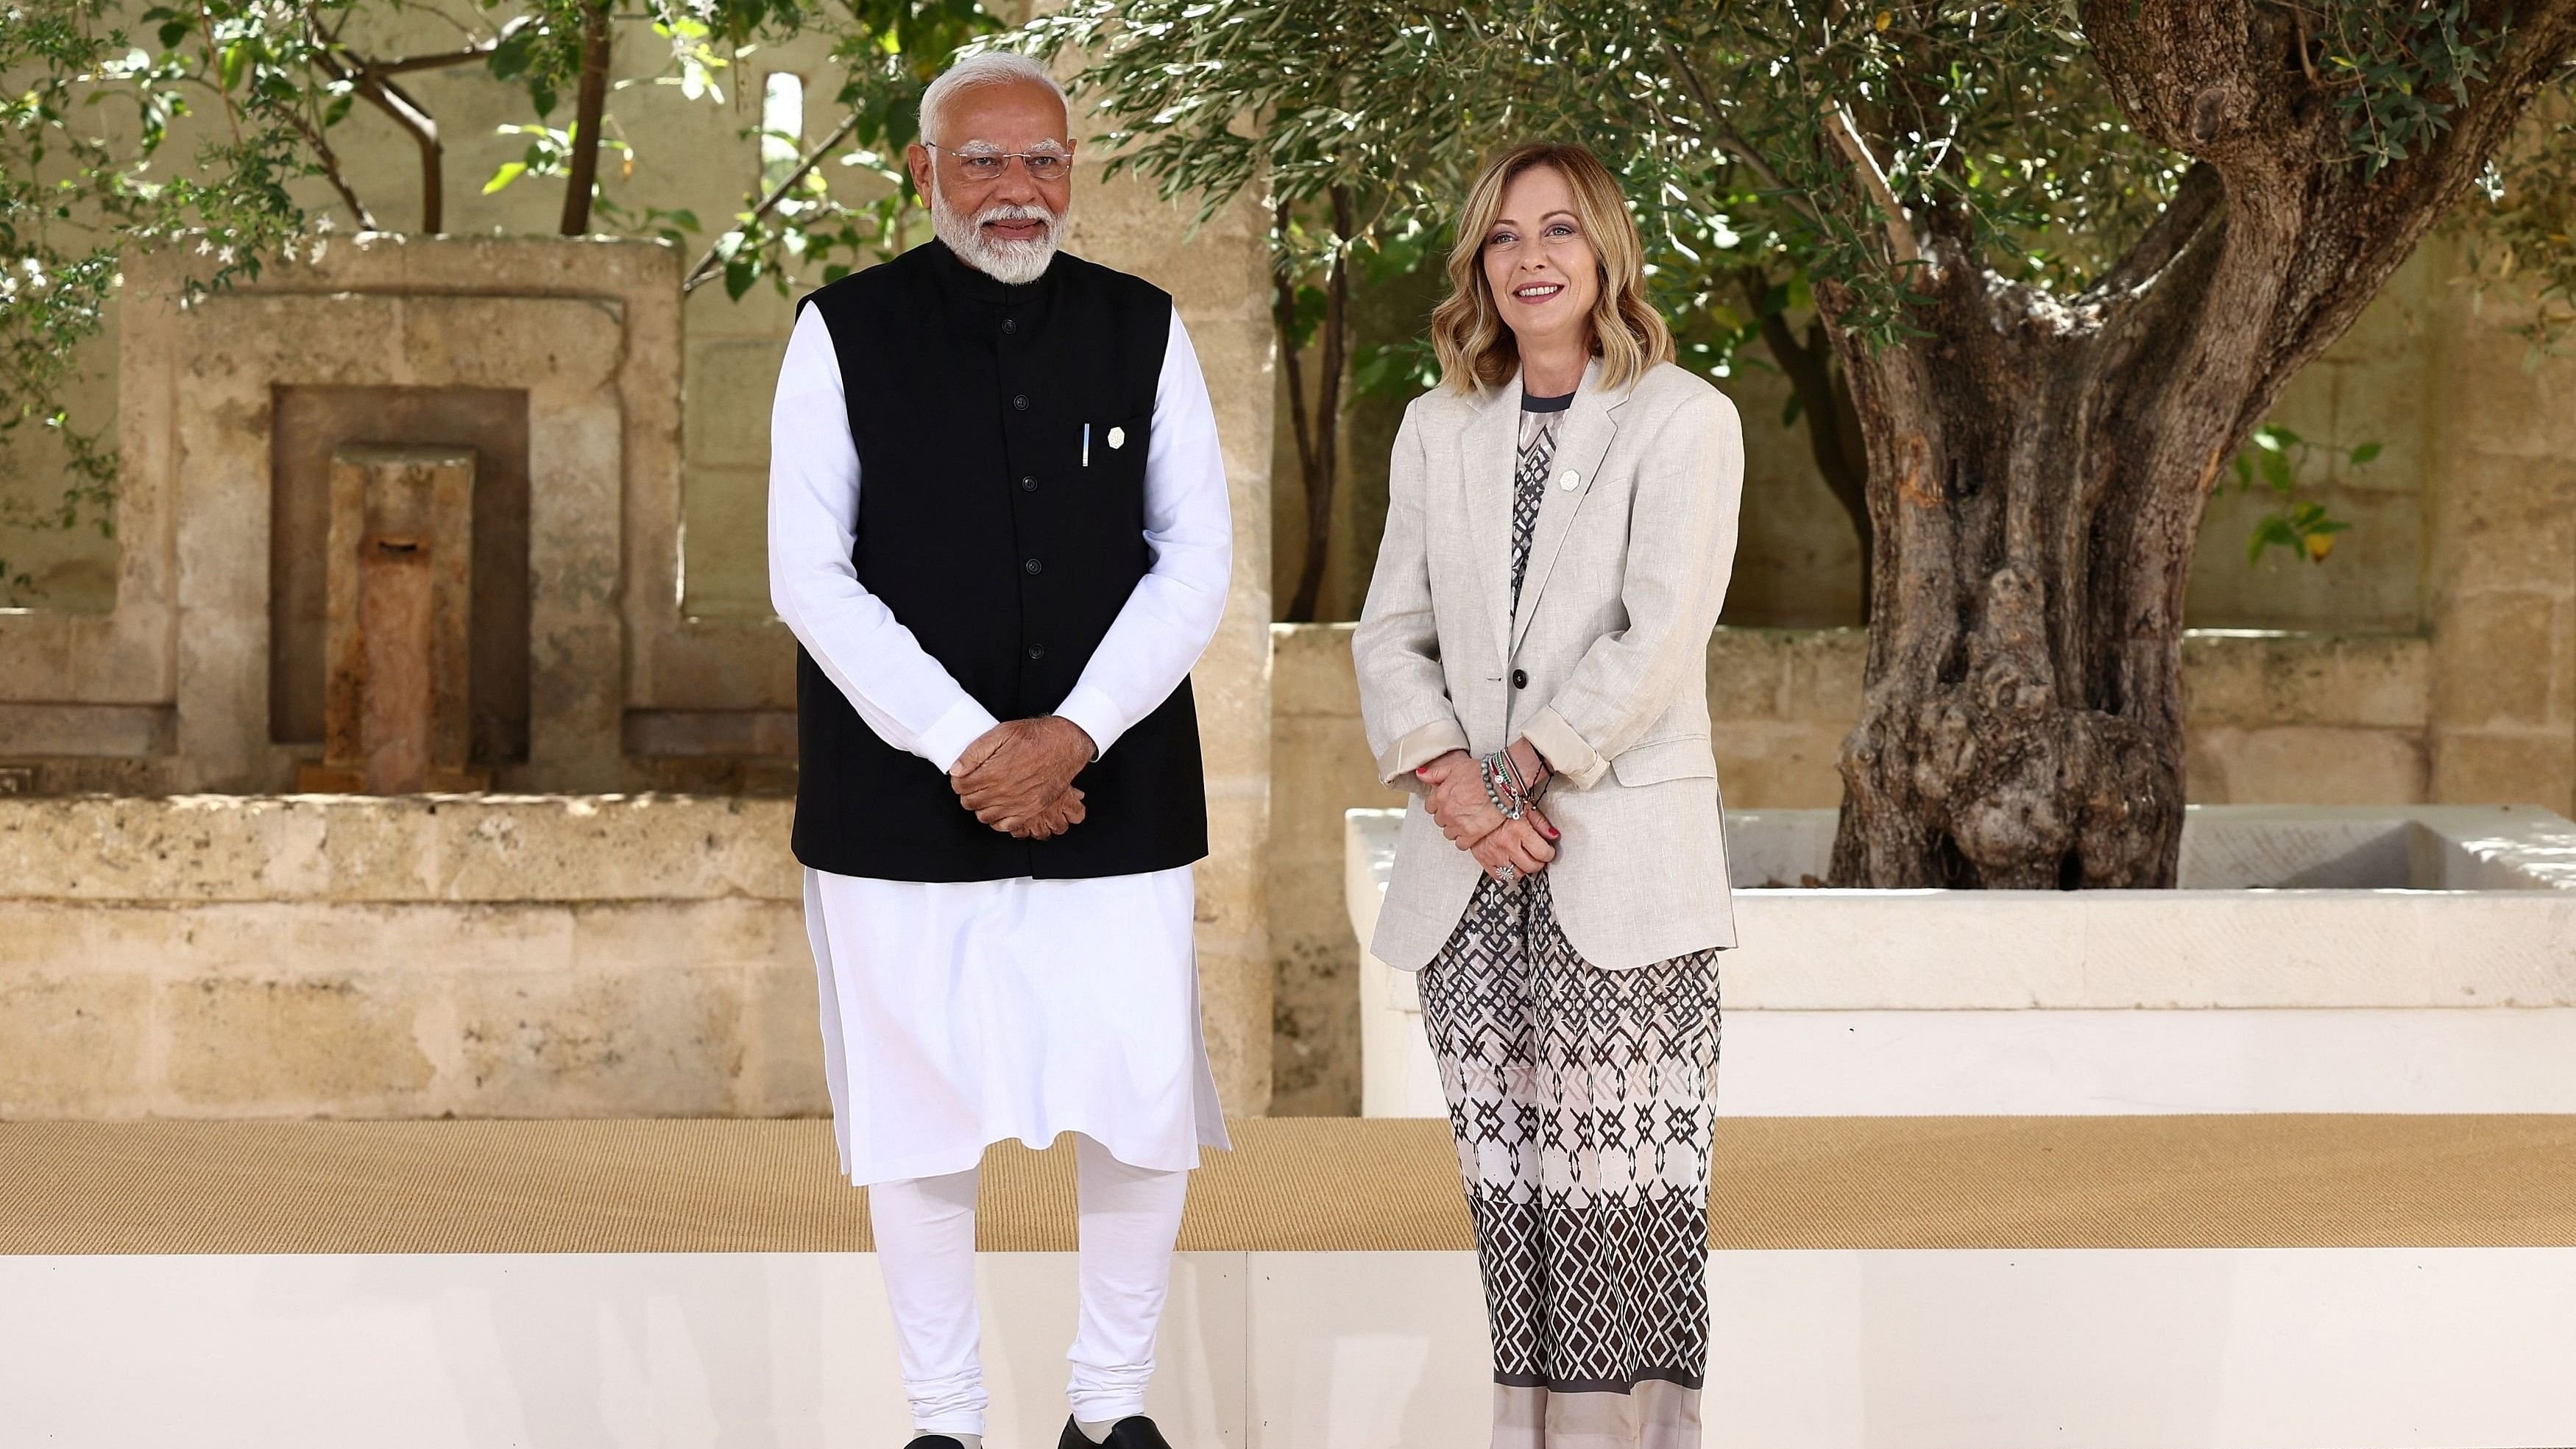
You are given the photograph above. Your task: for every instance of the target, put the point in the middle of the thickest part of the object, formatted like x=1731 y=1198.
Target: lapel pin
x=1118 y=437
x=1567 y=482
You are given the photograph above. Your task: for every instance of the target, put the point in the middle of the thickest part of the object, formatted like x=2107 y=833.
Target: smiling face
x=1543 y=271
x=1009 y=225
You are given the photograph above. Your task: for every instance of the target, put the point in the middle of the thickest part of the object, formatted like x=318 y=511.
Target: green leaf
x=172 y=32
x=739 y=276
x=232 y=64
x=510 y=171
x=2276 y=471
x=2362 y=455
x=2267 y=534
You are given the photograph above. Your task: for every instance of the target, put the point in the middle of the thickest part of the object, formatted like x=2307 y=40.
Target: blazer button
x=1021 y=402
x=1029 y=484
x=1009 y=325
x=1520 y=679
x=1033 y=566
x=1037 y=651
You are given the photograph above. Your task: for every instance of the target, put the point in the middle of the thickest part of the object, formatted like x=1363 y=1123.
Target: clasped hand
x=1460 y=807
x=1018 y=776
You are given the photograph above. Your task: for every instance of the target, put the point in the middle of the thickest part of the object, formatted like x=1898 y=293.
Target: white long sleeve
x=907 y=697
x=1189 y=526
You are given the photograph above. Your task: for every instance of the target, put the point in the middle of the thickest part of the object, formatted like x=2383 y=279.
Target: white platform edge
x=2217 y=1349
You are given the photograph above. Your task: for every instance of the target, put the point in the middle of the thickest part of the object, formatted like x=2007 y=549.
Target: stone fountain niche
x=398 y=597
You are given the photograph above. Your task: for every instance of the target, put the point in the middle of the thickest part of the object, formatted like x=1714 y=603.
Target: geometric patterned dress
x=1582 y=1102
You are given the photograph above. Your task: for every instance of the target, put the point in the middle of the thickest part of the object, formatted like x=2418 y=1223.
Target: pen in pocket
x=1086 y=445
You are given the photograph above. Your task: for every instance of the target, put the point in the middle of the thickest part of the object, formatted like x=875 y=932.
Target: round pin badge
x=1118 y=437
x=1567 y=482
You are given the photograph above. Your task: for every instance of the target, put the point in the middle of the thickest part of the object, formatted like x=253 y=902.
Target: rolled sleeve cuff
x=1419 y=748
x=1091 y=708
x=964 y=724
x=1568 y=753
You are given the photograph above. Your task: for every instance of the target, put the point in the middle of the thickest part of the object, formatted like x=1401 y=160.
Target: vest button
x=1033 y=566
x=1520 y=679
x=1008 y=325
x=1029 y=484
x=1037 y=651
x=1021 y=402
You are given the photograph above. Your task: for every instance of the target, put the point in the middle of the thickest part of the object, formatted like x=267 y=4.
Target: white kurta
x=961 y=1014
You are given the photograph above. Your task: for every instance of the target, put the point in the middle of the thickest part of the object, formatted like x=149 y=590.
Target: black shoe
x=1133 y=1432
x=934 y=1441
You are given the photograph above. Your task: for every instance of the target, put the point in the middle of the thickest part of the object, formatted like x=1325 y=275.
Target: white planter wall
x=2401 y=959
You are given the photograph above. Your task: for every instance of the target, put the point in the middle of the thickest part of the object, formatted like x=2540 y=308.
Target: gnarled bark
x=2038 y=467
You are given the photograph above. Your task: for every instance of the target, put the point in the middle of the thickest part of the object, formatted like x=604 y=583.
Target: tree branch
x=442 y=59
x=1901 y=243
x=590 y=105
x=1729 y=139
x=415 y=121
x=2195 y=201
x=706 y=265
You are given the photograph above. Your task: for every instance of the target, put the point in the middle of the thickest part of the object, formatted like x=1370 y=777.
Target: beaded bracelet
x=1494 y=777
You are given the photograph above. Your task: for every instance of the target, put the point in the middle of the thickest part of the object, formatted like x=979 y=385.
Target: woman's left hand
x=1458 y=803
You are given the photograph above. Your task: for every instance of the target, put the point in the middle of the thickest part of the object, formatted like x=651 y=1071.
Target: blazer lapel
x=1488 y=455
x=1590 y=423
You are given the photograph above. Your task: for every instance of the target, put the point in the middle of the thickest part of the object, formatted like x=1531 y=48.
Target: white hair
x=990 y=68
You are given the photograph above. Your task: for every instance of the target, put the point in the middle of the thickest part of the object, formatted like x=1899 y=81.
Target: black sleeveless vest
x=986 y=532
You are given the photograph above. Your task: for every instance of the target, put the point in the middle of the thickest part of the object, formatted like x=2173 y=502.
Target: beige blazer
x=1604 y=667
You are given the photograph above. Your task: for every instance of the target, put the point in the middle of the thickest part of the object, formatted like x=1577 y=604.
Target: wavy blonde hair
x=1476 y=349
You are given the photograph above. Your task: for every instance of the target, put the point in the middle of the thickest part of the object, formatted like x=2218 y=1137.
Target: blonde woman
x=1532 y=666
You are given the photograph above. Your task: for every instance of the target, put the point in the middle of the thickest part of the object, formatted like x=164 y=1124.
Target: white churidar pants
x=925 y=1231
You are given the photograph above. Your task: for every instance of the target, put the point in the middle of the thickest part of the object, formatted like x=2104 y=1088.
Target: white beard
x=1013 y=263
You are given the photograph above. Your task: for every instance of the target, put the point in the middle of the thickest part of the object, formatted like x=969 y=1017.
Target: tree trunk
x=589 y=105
x=2038 y=465
x=1319 y=458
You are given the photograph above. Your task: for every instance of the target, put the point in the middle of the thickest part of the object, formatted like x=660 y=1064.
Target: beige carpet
x=1293 y=1184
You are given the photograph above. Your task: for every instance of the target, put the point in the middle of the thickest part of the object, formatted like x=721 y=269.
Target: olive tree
x=2062 y=258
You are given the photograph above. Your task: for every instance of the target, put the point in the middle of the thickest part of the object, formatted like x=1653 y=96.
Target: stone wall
x=222 y=956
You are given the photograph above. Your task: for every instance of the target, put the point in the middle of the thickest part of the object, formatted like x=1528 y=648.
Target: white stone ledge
x=2213 y=1348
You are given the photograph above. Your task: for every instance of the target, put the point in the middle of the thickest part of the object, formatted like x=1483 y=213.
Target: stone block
x=1748 y=673
x=1779 y=764
x=1311 y=671
x=348 y=1044
x=1322 y=768
x=2495 y=767
x=2495 y=659
x=731 y=383
x=612 y=938
x=783 y=1074
x=2309 y=765
x=662 y=1040
x=727 y=533
x=2506 y=522
x=2508 y=406
x=2258 y=678
x=1825 y=671
x=70 y=1045
x=1235 y=1012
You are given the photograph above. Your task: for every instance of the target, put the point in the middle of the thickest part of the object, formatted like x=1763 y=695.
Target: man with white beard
x=998 y=529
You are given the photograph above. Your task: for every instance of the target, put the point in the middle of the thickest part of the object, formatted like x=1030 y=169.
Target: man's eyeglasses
x=1042 y=166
